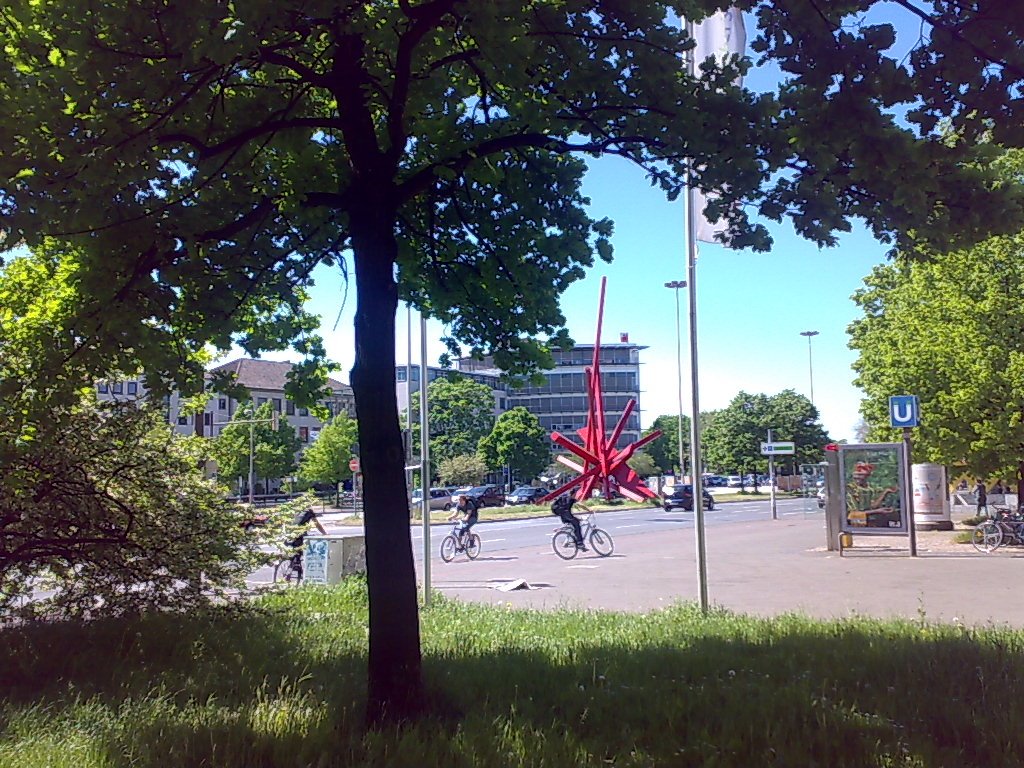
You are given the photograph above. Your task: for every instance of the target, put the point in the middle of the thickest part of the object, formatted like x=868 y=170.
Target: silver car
x=440 y=498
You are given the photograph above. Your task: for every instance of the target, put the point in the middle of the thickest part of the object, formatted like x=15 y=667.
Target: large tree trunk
x=395 y=687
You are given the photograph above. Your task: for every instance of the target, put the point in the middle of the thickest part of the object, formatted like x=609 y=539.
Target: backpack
x=562 y=504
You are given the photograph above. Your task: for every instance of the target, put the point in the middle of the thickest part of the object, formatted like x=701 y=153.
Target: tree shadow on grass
x=670 y=688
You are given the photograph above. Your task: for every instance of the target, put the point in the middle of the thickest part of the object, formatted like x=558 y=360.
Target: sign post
x=769 y=449
x=904 y=413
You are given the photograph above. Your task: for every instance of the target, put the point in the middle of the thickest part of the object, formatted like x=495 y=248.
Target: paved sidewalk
x=762 y=568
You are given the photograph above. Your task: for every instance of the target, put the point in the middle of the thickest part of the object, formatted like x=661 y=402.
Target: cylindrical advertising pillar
x=931 y=497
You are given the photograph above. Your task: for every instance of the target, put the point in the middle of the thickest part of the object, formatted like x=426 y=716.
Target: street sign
x=771 y=449
x=353 y=464
x=904 y=411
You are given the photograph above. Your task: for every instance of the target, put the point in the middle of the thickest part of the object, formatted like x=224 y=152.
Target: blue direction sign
x=904 y=411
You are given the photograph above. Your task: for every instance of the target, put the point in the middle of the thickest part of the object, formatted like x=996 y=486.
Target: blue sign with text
x=903 y=411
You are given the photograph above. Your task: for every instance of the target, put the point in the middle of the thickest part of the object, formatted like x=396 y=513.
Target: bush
x=104 y=505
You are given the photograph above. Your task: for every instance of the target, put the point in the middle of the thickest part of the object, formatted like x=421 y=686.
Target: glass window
x=208 y=419
x=289 y=407
x=222 y=404
x=304 y=434
x=400 y=374
x=260 y=401
x=182 y=419
x=117 y=388
x=303 y=411
x=133 y=387
x=102 y=388
x=277 y=404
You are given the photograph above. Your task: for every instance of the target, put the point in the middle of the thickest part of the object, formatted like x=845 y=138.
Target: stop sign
x=353 y=464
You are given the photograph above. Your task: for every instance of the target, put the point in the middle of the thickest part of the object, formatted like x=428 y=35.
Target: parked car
x=716 y=481
x=487 y=496
x=734 y=481
x=525 y=494
x=440 y=498
x=681 y=497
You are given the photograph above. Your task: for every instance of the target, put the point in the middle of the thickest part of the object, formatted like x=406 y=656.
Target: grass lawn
x=282 y=684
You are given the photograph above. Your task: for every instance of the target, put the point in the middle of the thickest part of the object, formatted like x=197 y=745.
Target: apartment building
x=265 y=380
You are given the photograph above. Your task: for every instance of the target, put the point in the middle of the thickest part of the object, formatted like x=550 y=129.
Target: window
x=277 y=404
x=117 y=388
x=400 y=374
x=208 y=419
x=182 y=419
x=133 y=387
x=261 y=401
x=289 y=407
x=501 y=403
x=222 y=404
x=303 y=411
x=102 y=388
x=304 y=434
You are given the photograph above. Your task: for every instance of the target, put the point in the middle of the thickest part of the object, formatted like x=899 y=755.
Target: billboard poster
x=872 y=482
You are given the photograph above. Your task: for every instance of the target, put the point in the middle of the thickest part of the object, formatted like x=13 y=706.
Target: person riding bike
x=562 y=506
x=466 y=507
x=302 y=520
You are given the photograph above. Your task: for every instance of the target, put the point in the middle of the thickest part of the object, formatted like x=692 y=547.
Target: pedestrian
x=998 y=487
x=982 y=494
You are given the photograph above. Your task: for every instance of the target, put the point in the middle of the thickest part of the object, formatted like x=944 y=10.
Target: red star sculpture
x=603 y=465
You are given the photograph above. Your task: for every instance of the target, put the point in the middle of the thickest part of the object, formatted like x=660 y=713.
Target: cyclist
x=302 y=520
x=466 y=507
x=562 y=506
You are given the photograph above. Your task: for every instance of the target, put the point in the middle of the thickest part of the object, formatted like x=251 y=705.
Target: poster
x=872 y=486
x=315 y=561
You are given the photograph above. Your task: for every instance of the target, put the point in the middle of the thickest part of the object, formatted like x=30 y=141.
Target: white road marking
x=581 y=566
x=624 y=527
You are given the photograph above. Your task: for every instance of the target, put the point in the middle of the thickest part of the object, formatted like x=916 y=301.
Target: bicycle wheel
x=601 y=542
x=564 y=545
x=448 y=548
x=284 y=571
x=987 y=537
x=472 y=546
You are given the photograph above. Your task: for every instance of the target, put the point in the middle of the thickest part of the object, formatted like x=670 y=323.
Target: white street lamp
x=675 y=285
x=810 y=360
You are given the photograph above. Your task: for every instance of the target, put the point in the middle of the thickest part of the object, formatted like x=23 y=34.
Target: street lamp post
x=675 y=285
x=810 y=360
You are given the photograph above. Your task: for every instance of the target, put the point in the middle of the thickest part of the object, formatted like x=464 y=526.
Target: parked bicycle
x=1004 y=528
x=460 y=541
x=599 y=540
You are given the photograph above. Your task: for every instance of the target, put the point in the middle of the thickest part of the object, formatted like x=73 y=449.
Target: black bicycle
x=458 y=541
x=1004 y=528
x=289 y=568
x=564 y=540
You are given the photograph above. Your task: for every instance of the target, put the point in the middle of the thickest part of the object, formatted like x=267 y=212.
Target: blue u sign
x=903 y=411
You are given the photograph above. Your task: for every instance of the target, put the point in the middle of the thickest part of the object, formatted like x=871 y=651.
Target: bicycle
x=564 y=540
x=1004 y=528
x=289 y=569
x=456 y=542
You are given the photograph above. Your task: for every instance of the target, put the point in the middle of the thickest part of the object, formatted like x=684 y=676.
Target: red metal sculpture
x=604 y=466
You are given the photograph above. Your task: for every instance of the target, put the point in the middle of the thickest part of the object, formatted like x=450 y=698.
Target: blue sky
x=751 y=307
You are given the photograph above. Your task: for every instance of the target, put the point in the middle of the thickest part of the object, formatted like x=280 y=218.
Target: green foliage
x=949 y=331
x=664 y=451
x=106 y=506
x=326 y=459
x=732 y=440
x=461 y=413
x=273 y=450
x=467 y=469
x=519 y=442
x=642 y=463
x=280 y=684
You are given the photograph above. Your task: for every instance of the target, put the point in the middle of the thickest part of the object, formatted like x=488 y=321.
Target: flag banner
x=720 y=35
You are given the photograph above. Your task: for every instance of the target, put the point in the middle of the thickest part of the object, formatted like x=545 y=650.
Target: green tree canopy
x=273 y=450
x=467 y=469
x=519 y=442
x=664 y=451
x=461 y=413
x=732 y=440
x=642 y=463
x=949 y=331
x=326 y=459
x=204 y=157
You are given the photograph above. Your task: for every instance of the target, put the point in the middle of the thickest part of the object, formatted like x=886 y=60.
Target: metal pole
x=771 y=479
x=676 y=285
x=810 y=359
x=252 y=448
x=695 y=462
x=424 y=459
x=908 y=492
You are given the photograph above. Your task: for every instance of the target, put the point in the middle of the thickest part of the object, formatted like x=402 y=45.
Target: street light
x=675 y=285
x=810 y=361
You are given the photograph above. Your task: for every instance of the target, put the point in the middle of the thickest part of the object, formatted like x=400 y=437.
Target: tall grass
x=281 y=683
